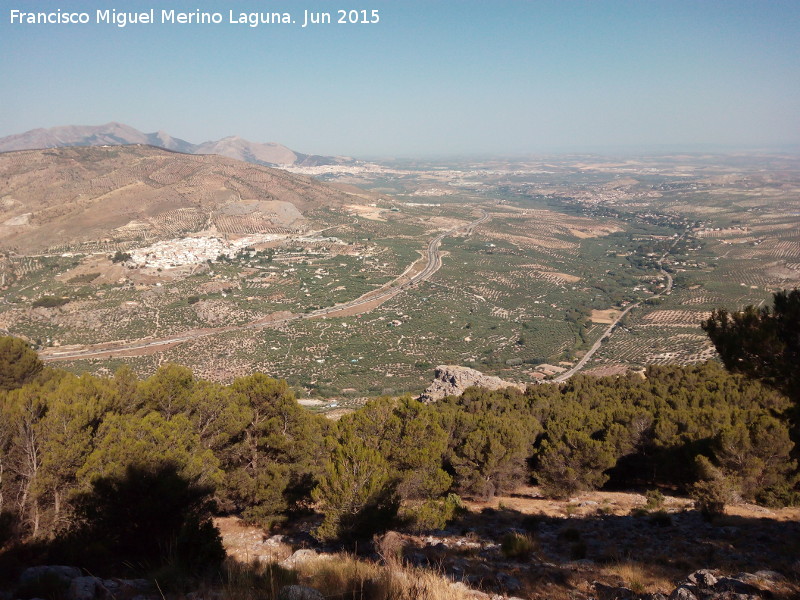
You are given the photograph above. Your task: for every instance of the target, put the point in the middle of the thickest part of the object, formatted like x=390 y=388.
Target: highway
x=432 y=257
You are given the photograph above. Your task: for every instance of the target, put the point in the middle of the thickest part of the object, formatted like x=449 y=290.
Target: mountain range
x=117 y=134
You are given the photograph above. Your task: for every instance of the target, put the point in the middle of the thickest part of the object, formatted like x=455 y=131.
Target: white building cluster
x=193 y=250
x=181 y=252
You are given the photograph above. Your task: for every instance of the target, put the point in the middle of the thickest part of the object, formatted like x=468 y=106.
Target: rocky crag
x=452 y=380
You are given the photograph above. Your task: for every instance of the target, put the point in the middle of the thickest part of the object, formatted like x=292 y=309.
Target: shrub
x=577 y=551
x=431 y=514
x=571 y=534
x=390 y=547
x=661 y=518
x=778 y=496
x=531 y=522
x=516 y=545
x=655 y=500
x=712 y=492
x=710 y=497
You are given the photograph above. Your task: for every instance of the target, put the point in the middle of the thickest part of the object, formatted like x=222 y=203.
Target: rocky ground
x=597 y=546
x=581 y=549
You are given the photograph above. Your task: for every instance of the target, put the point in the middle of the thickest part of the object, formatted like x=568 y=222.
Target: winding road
x=365 y=303
x=607 y=333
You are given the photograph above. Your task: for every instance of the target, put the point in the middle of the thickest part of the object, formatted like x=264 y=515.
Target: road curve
x=607 y=333
x=433 y=260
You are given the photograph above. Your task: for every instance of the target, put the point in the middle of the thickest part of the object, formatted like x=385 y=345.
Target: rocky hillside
x=63 y=196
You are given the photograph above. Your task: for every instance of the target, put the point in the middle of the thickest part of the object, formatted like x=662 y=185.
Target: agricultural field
x=566 y=245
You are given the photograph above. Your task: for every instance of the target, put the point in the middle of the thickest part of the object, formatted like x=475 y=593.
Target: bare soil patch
x=607 y=316
x=107 y=272
x=529 y=500
x=607 y=370
x=367 y=212
x=563 y=276
x=584 y=232
x=247 y=544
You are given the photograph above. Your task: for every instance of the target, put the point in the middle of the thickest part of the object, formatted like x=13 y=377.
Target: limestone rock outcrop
x=452 y=380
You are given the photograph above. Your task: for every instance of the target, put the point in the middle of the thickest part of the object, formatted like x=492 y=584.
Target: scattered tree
x=120 y=256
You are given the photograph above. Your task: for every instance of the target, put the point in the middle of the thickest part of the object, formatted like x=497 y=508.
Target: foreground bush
x=355 y=493
x=147 y=519
x=713 y=491
x=430 y=514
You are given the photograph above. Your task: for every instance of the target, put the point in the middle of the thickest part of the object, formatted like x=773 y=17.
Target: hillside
x=586 y=491
x=119 y=134
x=68 y=196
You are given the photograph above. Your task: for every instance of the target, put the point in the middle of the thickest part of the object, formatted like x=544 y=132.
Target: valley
x=358 y=281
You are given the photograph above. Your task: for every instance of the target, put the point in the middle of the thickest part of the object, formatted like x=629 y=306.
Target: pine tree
x=762 y=343
x=755 y=457
x=355 y=493
x=18 y=363
x=272 y=463
x=148 y=440
x=572 y=464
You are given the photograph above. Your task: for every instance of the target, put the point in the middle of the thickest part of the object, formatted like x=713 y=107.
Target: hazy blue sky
x=433 y=77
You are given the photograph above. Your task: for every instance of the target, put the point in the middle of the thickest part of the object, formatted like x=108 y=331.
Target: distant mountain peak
x=116 y=133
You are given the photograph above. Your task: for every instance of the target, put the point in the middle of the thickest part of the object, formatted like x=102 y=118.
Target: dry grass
x=641 y=578
x=341 y=577
x=347 y=577
x=518 y=546
x=253 y=581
